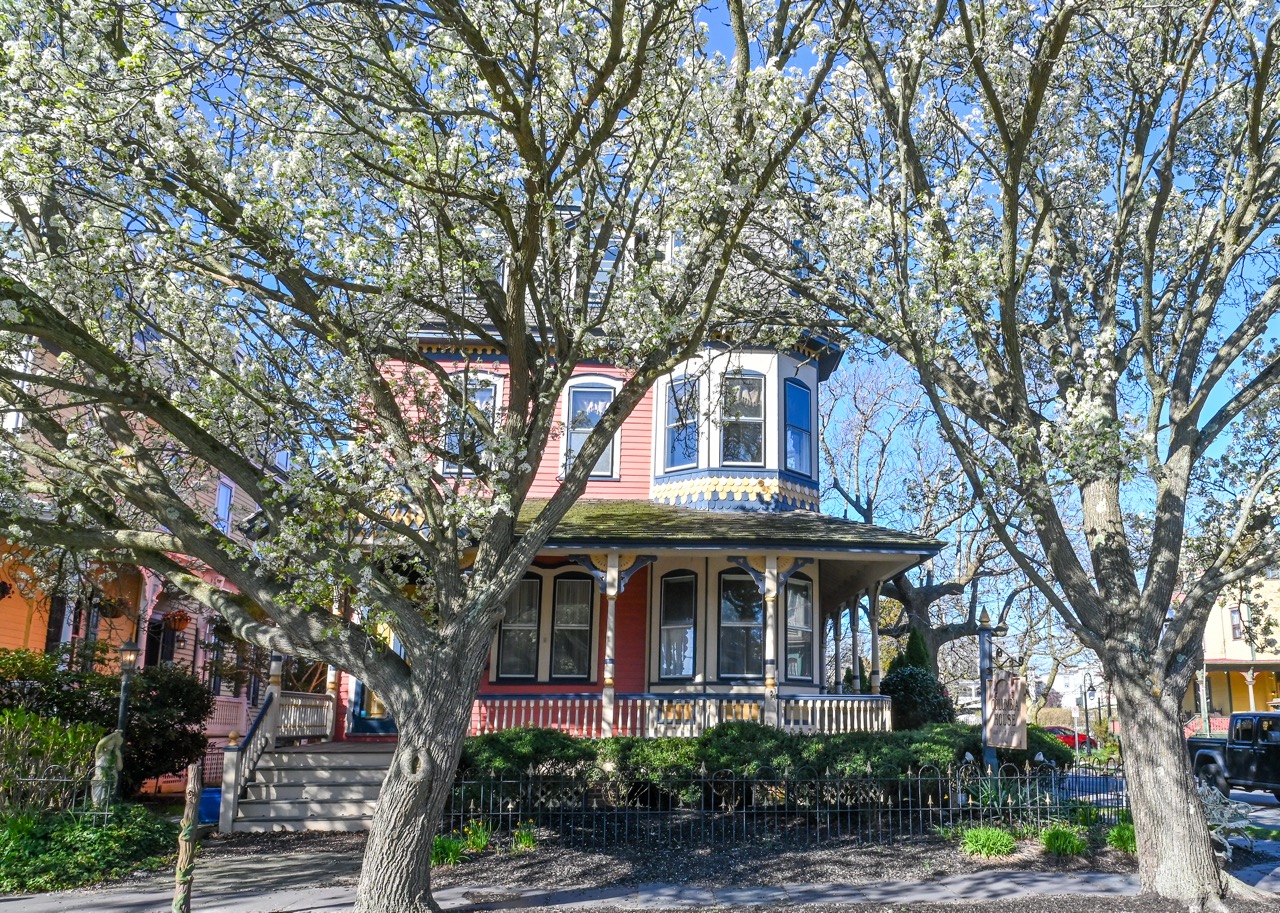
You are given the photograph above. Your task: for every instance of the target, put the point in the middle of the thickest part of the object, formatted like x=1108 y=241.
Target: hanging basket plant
x=177 y=620
x=112 y=608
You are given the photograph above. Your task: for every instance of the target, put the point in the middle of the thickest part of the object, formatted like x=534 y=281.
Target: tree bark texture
x=432 y=714
x=185 y=870
x=1176 y=858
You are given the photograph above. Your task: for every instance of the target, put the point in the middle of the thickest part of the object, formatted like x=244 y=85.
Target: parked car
x=1072 y=738
x=1248 y=758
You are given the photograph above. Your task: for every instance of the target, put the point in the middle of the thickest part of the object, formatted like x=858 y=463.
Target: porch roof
x=633 y=525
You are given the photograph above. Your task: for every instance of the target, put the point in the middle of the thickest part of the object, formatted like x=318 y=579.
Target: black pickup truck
x=1248 y=758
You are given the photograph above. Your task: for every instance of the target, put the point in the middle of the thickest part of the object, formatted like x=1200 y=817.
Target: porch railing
x=576 y=714
x=653 y=715
x=305 y=716
x=230 y=714
x=836 y=713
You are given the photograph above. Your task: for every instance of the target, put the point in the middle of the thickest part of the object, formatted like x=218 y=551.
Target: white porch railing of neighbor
x=305 y=716
x=576 y=714
x=230 y=714
x=835 y=713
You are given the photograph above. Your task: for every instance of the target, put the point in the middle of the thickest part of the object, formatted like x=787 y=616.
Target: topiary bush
x=914 y=656
x=987 y=842
x=918 y=698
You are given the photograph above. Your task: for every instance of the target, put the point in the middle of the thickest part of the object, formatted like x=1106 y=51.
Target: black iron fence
x=57 y=790
x=597 y=808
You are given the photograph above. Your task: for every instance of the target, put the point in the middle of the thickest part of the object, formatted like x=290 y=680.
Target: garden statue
x=108 y=759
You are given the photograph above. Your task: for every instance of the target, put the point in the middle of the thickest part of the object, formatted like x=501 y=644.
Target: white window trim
x=763 y=421
x=224 y=522
x=598 y=381
x=468 y=379
x=665 y=440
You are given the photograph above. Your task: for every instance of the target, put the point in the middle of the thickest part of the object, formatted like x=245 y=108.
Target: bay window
x=676 y=638
x=742 y=420
x=682 y=424
x=798 y=435
x=741 y=627
x=799 y=608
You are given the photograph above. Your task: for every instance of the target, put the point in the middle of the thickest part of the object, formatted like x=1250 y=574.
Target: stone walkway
x=323 y=883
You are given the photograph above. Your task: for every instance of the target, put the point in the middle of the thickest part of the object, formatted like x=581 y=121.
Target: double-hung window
x=741 y=627
x=571 y=627
x=518 y=639
x=799 y=629
x=682 y=424
x=587 y=404
x=742 y=420
x=799 y=430
x=222 y=507
x=676 y=639
x=466 y=439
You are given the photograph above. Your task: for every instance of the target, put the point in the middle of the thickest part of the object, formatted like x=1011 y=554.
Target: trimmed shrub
x=515 y=751
x=918 y=698
x=53 y=852
x=914 y=656
x=988 y=842
x=1122 y=837
x=1063 y=841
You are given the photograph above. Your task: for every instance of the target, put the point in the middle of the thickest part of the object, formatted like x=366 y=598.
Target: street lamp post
x=985 y=630
x=1089 y=694
x=128 y=662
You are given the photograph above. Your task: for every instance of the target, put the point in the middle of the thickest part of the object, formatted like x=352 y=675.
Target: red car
x=1071 y=738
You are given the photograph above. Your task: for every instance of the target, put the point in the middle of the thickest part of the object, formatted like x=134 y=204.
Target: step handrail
x=240 y=761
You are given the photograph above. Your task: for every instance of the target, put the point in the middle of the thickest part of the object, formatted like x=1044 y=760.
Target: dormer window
x=799 y=431
x=682 y=424
x=587 y=404
x=742 y=421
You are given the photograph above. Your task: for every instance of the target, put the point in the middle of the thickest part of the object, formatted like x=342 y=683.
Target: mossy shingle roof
x=638 y=524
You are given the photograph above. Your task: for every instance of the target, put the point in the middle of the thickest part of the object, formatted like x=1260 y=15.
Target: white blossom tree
x=226 y=226
x=1063 y=215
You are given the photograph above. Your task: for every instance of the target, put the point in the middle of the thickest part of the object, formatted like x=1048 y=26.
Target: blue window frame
x=798 y=410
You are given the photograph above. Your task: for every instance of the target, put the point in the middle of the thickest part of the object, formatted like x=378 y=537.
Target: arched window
x=741 y=626
x=799 y=610
x=518 y=637
x=682 y=423
x=798 y=436
x=677 y=624
x=742 y=420
x=585 y=405
x=571 y=616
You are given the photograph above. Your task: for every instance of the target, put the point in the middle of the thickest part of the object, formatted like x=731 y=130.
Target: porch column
x=271 y=722
x=837 y=638
x=607 y=693
x=331 y=689
x=873 y=596
x=771 y=640
x=854 y=664
x=1249 y=678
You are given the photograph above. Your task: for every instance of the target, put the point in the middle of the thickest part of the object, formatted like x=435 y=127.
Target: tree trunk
x=1175 y=855
x=431 y=721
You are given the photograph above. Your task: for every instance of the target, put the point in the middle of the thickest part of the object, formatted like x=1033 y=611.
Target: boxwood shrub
x=748 y=749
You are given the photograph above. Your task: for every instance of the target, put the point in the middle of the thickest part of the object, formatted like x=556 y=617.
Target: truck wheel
x=1213 y=775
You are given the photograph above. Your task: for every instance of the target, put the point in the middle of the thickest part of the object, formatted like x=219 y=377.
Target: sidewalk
x=325 y=883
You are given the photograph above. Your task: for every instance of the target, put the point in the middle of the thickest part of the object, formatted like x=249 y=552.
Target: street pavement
x=324 y=883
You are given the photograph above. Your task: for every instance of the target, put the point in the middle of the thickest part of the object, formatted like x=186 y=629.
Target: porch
x=655 y=715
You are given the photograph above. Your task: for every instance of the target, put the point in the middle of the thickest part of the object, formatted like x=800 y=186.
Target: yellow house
x=1237 y=675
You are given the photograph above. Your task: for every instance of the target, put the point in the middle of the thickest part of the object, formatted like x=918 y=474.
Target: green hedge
x=749 y=749
x=51 y=852
x=42 y=760
x=167 y=706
